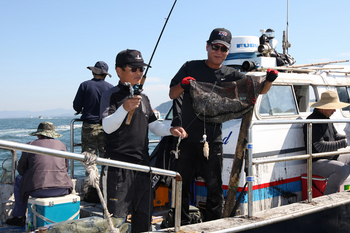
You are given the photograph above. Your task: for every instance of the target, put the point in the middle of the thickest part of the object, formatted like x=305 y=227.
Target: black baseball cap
x=130 y=57
x=220 y=36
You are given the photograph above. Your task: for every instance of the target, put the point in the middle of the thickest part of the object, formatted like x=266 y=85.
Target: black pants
x=191 y=155
x=128 y=192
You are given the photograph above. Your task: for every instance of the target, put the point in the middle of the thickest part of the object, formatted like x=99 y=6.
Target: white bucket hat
x=329 y=100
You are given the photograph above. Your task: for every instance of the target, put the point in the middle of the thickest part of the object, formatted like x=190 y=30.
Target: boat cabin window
x=169 y=116
x=305 y=94
x=343 y=93
x=278 y=101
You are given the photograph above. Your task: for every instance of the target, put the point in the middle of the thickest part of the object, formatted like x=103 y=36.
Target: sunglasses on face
x=134 y=69
x=216 y=47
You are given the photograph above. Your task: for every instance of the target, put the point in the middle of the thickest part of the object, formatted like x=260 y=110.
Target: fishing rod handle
x=128 y=120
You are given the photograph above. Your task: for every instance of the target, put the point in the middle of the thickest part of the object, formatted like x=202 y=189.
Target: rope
x=93 y=179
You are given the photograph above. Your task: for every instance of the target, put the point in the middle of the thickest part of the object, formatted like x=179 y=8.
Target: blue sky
x=47 y=45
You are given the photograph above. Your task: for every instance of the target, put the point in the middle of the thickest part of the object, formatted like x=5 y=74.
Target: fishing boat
x=279 y=194
x=276 y=167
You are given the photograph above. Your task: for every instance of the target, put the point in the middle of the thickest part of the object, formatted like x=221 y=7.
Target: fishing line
x=197 y=114
x=155 y=48
x=140 y=87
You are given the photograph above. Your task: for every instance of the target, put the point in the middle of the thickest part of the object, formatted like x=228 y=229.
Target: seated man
x=326 y=138
x=40 y=175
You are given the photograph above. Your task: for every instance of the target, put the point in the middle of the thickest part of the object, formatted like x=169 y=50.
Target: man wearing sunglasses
x=129 y=192
x=209 y=70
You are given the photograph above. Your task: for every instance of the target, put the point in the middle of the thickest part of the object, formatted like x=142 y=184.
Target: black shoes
x=16 y=221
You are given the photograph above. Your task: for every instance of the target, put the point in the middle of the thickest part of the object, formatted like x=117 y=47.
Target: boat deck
x=325 y=214
x=88 y=209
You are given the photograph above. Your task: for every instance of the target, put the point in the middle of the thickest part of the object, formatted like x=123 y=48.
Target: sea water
x=17 y=130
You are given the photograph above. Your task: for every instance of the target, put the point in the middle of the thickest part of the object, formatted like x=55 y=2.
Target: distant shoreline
x=60 y=112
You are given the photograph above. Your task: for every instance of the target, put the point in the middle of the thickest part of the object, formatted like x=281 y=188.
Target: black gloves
x=271 y=75
x=185 y=83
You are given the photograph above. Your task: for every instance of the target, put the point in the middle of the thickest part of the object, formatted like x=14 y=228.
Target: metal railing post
x=178 y=197
x=309 y=162
x=250 y=177
x=72 y=147
x=14 y=166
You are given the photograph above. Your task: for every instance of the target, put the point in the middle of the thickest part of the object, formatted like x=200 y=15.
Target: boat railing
x=14 y=162
x=309 y=156
x=73 y=144
x=176 y=177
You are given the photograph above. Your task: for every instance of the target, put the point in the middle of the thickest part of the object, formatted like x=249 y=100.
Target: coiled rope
x=93 y=179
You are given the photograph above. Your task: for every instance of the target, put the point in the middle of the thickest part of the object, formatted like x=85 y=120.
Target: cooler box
x=53 y=209
x=318 y=181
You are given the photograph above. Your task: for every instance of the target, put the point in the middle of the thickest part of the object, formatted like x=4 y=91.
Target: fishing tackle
x=205 y=147
x=138 y=87
x=177 y=151
x=131 y=88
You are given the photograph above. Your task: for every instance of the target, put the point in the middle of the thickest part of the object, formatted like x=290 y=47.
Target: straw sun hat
x=329 y=100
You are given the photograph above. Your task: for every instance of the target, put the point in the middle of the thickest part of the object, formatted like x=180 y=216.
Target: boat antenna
x=285 y=43
x=138 y=87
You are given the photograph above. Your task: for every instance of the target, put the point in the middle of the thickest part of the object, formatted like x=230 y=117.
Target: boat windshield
x=278 y=101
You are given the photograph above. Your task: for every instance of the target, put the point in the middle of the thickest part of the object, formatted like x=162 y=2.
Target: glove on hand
x=271 y=75
x=185 y=83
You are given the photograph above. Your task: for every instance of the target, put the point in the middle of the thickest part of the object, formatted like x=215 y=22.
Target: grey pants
x=335 y=170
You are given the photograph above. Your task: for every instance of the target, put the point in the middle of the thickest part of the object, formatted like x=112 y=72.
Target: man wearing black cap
x=130 y=191
x=210 y=70
x=87 y=102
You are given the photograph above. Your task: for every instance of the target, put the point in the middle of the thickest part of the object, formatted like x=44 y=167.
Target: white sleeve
x=112 y=122
x=159 y=129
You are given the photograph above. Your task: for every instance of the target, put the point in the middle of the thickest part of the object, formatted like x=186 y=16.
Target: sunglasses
x=134 y=69
x=216 y=47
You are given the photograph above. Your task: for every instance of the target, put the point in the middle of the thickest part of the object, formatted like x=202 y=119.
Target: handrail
x=307 y=156
x=72 y=145
x=14 y=166
x=109 y=162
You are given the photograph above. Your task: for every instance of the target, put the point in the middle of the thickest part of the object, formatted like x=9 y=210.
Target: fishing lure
x=205 y=147
x=177 y=151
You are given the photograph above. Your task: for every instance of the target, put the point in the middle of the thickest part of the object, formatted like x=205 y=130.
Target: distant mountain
x=28 y=114
x=164 y=107
x=60 y=112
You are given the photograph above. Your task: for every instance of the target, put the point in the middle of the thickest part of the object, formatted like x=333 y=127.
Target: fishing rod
x=137 y=88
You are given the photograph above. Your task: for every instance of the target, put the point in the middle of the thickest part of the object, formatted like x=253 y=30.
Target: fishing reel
x=134 y=90
x=137 y=89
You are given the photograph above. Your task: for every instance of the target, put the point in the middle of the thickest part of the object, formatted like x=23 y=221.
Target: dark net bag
x=225 y=100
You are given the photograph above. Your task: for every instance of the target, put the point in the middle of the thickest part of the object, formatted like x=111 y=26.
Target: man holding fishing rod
x=203 y=146
x=128 y=191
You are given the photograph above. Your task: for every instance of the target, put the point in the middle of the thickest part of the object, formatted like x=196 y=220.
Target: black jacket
x=324 y=136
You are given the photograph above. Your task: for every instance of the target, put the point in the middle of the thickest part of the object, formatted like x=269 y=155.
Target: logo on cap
x=138 y=57
x=222 y=33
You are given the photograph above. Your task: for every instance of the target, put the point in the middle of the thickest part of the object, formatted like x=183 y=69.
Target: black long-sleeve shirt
x=324 y=136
